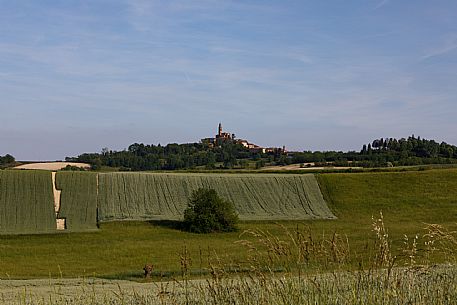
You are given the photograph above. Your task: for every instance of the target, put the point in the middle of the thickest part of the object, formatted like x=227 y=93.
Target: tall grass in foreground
x=278 y=272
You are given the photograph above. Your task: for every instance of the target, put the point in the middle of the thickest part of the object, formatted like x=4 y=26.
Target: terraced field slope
x=164 y=196
x=26 y=202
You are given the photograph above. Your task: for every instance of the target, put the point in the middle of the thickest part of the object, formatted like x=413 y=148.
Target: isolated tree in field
x=207 y=212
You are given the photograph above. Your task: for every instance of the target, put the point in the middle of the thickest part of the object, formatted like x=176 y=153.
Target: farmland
x=26 y=202
x=78 y=200
x=89 y=198
x=421 y=196
x=256 y=197
x=54 y=166
x=408 y=201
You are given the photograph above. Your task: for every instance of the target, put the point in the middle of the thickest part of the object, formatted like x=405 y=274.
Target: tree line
x=386 y=152
x=174 y=156
x=379 y=153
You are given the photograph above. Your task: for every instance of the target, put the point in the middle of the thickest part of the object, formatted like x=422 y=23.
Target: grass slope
x=164 y=196
x=408 y=201
x=424 y=196
x=26 y=202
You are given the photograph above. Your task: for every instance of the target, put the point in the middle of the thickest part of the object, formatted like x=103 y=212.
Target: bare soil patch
x=52 y=166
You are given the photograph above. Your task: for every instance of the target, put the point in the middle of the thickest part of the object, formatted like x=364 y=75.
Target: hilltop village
x=226 y=137
x=225 y=151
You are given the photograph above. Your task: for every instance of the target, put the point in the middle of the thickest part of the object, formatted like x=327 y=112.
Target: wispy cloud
x=381 y=4
x=305 y=74
x=448 y=47
x=281 y=52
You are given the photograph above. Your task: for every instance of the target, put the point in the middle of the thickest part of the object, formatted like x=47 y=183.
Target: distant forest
x=380 y=153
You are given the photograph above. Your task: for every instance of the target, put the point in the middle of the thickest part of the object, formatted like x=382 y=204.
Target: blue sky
x=77 y=76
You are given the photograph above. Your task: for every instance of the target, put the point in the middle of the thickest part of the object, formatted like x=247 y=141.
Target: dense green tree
x=7 y=161
x=207 y=212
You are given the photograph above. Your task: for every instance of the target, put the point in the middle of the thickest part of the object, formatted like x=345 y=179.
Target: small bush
x=207 y=212
x=73 y=168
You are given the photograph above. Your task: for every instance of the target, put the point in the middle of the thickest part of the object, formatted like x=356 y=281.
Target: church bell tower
x=219 y=133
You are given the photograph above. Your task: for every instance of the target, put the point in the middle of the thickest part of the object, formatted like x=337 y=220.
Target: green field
x=26 y=202
x=408 y=201
x=89 y=198
x=137 y=196
x=78 y=201
x=422 y=196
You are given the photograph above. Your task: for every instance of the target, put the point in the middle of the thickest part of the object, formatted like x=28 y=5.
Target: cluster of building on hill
x=226 y=137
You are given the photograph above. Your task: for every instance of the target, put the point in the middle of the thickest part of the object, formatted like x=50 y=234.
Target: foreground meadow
x=277 y=271
x=424 y=285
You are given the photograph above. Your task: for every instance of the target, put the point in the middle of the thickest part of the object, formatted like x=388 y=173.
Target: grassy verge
x=429 y=285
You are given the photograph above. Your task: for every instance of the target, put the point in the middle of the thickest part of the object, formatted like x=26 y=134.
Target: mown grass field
x=408 y=201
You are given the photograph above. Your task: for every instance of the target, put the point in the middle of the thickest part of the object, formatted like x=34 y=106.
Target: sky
x=77 y=76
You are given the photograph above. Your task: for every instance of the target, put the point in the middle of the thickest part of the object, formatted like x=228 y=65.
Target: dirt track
x=44 y=289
